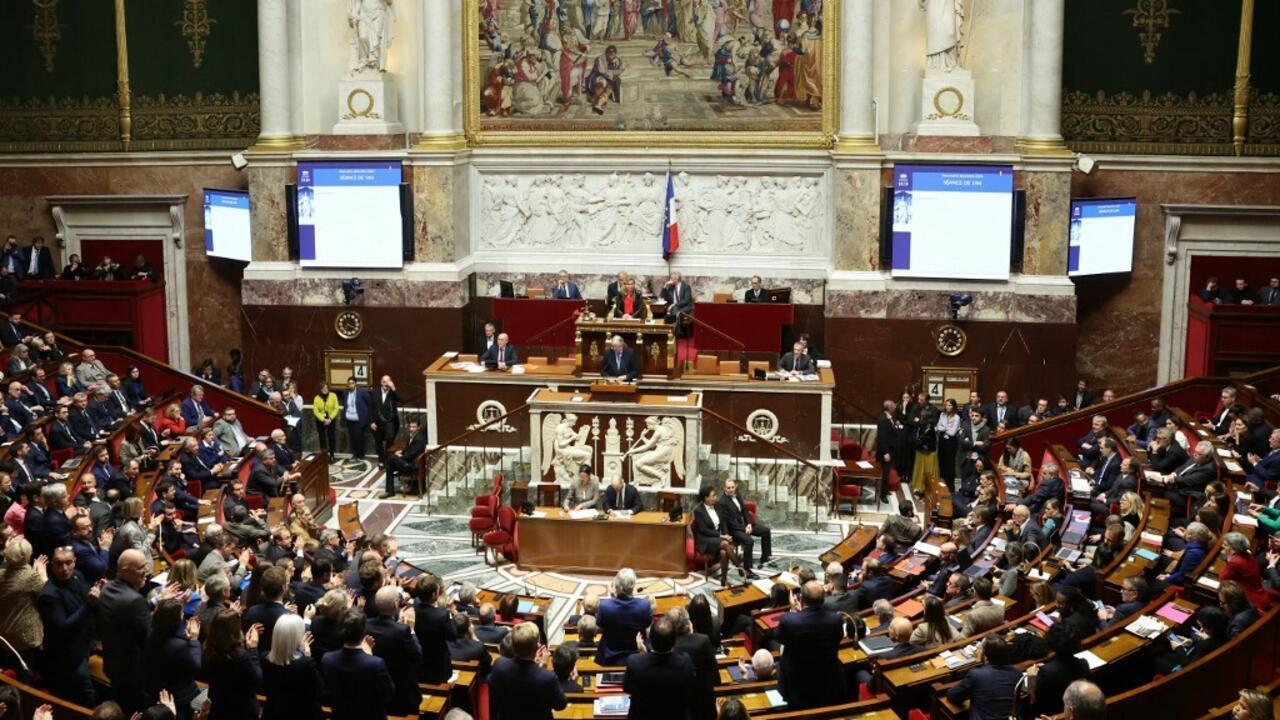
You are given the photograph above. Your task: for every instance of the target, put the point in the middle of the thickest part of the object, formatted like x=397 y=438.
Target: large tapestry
x=720 y=72
x=190 y=80
x=1158 y=76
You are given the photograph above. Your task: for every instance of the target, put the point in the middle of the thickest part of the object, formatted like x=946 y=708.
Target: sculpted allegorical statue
x=371 y=23
x=944 y=33
x=658 y=448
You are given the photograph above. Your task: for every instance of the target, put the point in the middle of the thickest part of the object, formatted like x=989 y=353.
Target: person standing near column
x=386 y=417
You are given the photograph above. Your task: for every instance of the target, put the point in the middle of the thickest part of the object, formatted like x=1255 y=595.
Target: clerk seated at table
x=586 y=493
x=564 y=289
x=619 y=361
x=797 y=361
x=621 y=496
x=755 y=293
x=629 y=304
x=500 y=356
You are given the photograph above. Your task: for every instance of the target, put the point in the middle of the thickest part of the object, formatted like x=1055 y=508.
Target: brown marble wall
x=857 y=219
x=1044 y=248
x=1119 y=315
x=404 y=341
x=213 y=286
x=876 y=359
x=269 y=222
x=436 y=194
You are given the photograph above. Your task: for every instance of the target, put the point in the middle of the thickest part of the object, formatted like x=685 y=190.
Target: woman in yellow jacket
x=325 y=407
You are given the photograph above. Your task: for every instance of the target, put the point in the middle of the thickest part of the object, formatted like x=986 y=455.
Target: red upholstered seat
x=503 y=538
x=484 y=518
x=850 y=450
x=750 y=505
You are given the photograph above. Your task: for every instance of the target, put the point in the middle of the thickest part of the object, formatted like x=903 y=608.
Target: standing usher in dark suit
x=386 y=414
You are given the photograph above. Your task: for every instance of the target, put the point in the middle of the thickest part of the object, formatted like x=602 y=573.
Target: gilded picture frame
x=822 y=136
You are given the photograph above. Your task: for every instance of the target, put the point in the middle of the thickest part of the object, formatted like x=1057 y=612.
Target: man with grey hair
x=1223 y=416
x=619 y=364
x=1084 y=701
x=1266 y=468
x=884 y=612
x=393 y=631
x=466 y=602
x=195 y=410
x=620 y=617
x=587 y=632
x=1191 y=479
x=91 y=371
x=762 y=665
x=702 y=655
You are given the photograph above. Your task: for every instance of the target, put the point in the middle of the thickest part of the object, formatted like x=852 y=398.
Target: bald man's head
x=131 y=568
x=812 y=594
x=900 y=630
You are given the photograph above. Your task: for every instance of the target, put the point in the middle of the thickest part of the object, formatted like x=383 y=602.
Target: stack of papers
x=612 y=706
x=1208 y=582
x=764 y=585
x=775 y=698
x=1094 y=661
x=863 y=464
x=1146 y=627
x=585 y=514
x=928 y=549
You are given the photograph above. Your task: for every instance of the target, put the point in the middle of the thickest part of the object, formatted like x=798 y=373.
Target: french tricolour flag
x=671 y=224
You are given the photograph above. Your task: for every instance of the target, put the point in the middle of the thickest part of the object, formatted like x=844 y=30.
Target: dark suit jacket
x=293 y=691
x=619 y=621
x=83 y=426
x=265 y=481
x=627 y=369
x=385 y=411
x=754 y=296
x=68 y=622
x=361 y=688
x=1086 y=399
x=40 y=395
x=1031 y=532
x=123 y=620
x=569 y=292
x=1168 y=458
x=803 y=364
x=508 y=356
x=1050 y=487
x=10 y=334
x=1193 y=476
x=811 y=674
x=266 y=613
x=398 y=648
x=44 y=263
x=520 y=690
x=1106 y=472
x=364 y=406
x=611 y=293
x=662 y=685
x=873 y=589
x=234 y=684
x=630 y=499
x=989 y=690
x=434 y=629
x=191 y=416
x=702 y=655
x=1010 y=415
x=467 y=649
x=491 y=634
x=888 y=438
x=706 y=536
x=678 y=303
x=733 y=515
x=19 y=411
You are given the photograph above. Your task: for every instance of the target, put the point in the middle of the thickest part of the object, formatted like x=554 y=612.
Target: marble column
x=857 y=118
x=441 y=76
x=1042 y=128
x=273 y=76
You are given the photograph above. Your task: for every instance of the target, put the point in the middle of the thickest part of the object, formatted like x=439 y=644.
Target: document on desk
x=775 y=698
x=864 y=465
x=585 y=514
x=764 y=585
x=1094 y=661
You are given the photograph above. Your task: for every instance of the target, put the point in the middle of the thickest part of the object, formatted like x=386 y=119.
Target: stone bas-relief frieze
x=717 y=213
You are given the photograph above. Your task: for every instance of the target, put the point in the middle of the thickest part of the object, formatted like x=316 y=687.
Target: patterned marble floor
x=442 y=545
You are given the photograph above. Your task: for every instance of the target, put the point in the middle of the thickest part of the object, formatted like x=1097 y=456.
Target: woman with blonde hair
x=67 y=383
x=1041 y=594
x=935 y=629
x=289 y=674
x=1198 y=537
x=20 y=583
x=1131 y=509
x=171 y=424
x=326 y=622
x=1254 y=704
x=183 y=572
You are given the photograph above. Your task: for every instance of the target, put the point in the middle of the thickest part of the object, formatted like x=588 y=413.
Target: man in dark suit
x=1238 y=294
x=37 y=261
x=755 y=293
x=1126 y=480
x=123 y=621
x=662 y=683
x=520 y=688
x=615 y=288
x=1166 y=453
x=1050 y=486
x=619 y=361
x=989 y=688
x=1266 y=468
x=11 y=333
x=811 y=675
x=500 y=356
x=733 y=513
x=889 y=444
x=64 y=610
x=679 y=298
x=358 y=680
x=565 y=289
x=39 y=391
x=1089 y=447
x=396 y=645
x=1191 y=478
x=621 y=496
x=405 y=460
x=83 y=426
x=1104 y=471
x=308 y=592
x=195 y=410
x=467 y=647
x=1270 y=295
x=797 y=361
x=18 y=409
x=486 y=630
x=357 y=412
x=1002 y=412
x=268 y=478
x=876 y=584
x=1023 y=528
x=1134 y=595
x=1082 y=398
x=274 y=582
x=487 y=339
x=702 y=656
x=620 y=617
x=386 y=416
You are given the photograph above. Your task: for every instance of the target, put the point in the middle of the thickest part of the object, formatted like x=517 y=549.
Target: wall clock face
x=951 y=340
x=348 y=324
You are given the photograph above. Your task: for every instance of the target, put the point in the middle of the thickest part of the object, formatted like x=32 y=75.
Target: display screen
x=349 y=214
x=1100 y=236
x=226 y=225
x=952 y=221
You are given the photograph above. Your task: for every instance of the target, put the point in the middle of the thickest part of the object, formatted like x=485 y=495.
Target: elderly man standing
x=620 y=617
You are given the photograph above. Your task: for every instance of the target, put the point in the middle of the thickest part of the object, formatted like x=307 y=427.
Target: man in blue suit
x=18 y=409
x=1051 y=486
x=811 y=674
x=195 y=410
x=500 y=356
x=520 y=688
x=619 y=361
x=662 y=683
x=619 y=618
x=396 y=644
x=988 y=688
x=564 y=289
x=1267 y=468
x=357 y=411
x=67 y=615
x=274 y=582
x=359 y=681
